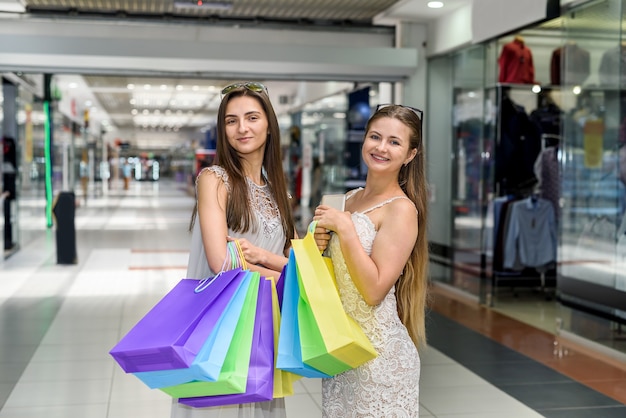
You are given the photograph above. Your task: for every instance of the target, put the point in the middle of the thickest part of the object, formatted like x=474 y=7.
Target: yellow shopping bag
x=283 y=380
x=343 y=339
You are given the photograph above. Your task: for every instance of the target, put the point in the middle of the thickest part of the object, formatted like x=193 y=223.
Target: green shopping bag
x=314 y=350
x=234 y=374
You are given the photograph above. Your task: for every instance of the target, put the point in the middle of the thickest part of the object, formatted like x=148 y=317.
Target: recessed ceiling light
x=435 y=4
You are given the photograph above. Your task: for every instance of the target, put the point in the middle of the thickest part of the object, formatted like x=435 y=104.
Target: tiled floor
x=58 y=322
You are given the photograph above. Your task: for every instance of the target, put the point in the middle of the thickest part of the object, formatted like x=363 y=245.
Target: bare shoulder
x=210 y=182
x=399 y=212
x=403 y=206
x=213 y=175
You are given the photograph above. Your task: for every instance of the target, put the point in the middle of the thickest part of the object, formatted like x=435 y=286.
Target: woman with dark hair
x=380 y=255
x=242 y=196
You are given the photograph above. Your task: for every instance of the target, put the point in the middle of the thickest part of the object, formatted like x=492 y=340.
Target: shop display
x=516 y=63
x=569 y=65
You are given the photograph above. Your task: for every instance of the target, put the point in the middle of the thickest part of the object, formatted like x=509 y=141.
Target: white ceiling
x=160 y=111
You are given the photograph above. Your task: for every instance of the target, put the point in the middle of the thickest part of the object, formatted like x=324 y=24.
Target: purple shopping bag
x=170 y=335
x=280 y=286
x=260 y=381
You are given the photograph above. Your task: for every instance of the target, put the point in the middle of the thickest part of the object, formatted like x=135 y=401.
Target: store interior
x=544 y=132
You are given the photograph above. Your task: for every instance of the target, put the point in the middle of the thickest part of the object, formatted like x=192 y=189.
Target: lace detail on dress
x=218 y=171
x=265 y=207
x=388 y=385
x=261 y=201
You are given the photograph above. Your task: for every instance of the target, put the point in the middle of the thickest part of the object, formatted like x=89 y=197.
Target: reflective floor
x=58 y=322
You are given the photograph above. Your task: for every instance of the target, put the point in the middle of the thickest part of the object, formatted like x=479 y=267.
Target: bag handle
x=234 y=255
x=311 y=230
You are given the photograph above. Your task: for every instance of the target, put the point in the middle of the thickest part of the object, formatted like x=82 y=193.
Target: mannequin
x=516 y=63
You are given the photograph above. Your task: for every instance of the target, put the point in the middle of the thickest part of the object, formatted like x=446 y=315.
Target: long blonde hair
x=412 y=286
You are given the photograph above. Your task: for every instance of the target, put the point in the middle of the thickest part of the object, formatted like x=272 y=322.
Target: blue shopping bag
x=289 y=356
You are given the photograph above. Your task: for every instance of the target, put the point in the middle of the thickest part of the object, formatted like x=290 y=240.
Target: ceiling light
x=435 y=4
x=199 y=4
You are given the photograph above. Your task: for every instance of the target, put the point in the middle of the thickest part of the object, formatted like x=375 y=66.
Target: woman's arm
x=374 y=275
x=212 y=196
x=259 y=257
x=265 y=271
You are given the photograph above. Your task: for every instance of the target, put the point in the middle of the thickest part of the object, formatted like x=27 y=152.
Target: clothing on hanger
x=531 y=236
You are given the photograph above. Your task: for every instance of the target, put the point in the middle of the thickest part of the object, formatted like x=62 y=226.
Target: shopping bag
x=345 y=343
x=280 y=286
x=313 y=348
x=260 y=380
x=171 y=334
x=283 y=380
x=208 y=363
x=234 y=373
x=289 y=356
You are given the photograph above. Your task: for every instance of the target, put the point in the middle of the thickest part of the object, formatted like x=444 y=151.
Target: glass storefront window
x=467 y=181
x=593 y=237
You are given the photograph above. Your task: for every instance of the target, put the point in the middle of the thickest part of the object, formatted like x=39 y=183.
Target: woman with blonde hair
x=379 y=251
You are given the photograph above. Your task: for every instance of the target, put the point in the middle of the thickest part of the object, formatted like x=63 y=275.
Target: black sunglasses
x=418 y=112
x=251 y=85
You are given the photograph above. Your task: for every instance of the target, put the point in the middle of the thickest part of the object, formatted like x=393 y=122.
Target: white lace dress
x=387 y=386
x=267 y=234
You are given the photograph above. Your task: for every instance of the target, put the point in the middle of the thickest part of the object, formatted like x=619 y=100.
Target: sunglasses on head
x=418 y=112
x=252 y=86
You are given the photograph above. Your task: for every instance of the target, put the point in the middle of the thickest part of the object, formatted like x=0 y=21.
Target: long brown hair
x=238 y=214
x=412 y=286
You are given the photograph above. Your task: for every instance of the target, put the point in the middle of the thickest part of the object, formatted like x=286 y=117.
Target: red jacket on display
x=516 y=63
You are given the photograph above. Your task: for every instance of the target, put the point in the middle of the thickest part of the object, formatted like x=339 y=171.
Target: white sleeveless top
x=386 y=386
x=266 y=232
